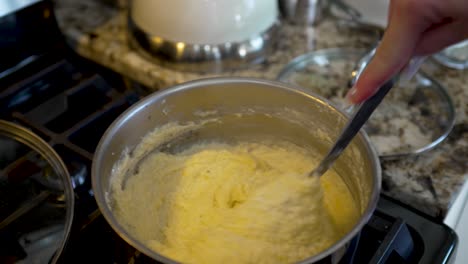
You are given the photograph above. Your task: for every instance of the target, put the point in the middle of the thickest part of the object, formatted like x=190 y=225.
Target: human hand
x=415 y=28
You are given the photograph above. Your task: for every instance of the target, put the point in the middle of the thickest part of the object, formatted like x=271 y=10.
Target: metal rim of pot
x=101 y=197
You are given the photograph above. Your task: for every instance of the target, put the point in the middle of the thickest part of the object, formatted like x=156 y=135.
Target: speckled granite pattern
x=428 y=182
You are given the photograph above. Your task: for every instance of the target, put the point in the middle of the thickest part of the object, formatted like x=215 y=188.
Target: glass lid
x=455 y=56
x=414 y=117
x=36 y=198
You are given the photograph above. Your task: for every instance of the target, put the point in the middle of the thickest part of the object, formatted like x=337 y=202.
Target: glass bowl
x=413 y=118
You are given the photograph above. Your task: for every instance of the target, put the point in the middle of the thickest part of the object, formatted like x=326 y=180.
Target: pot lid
x=36 y=198
x=413 y=118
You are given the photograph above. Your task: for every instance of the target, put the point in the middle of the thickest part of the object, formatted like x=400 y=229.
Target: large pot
x=203 y=35
x=270 y=109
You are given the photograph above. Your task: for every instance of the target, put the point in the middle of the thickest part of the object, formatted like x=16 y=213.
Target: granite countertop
x=429 y=181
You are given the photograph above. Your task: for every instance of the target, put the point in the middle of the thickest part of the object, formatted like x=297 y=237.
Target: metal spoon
x=353 y=126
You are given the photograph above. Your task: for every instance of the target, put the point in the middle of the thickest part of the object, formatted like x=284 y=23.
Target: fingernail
x=411 y=68
x=351 y=94
x=349 y=108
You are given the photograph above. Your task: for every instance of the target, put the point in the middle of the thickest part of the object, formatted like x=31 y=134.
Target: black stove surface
x=70 y=102
x=70 y=106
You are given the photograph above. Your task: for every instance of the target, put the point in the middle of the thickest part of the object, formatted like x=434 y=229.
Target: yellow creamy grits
x=244 y=203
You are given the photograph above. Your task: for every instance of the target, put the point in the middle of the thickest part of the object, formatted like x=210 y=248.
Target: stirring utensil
x=365 y=110
x=353 y=126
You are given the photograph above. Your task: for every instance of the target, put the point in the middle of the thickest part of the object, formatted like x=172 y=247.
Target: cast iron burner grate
x=70 y=106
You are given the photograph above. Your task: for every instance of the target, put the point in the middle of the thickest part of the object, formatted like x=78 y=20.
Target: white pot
x=204 y=21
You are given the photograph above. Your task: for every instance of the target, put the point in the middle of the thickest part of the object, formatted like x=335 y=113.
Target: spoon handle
x=353 y=126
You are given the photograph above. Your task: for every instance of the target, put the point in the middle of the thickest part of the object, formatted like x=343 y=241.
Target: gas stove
x=70 y=102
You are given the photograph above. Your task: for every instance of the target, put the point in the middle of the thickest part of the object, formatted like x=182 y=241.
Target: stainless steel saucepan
x=245 y=108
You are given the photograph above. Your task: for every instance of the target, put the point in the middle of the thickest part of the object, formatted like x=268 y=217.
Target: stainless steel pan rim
x=132 y=111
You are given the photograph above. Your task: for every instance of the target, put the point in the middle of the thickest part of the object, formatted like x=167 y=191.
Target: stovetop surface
x=70 y=106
